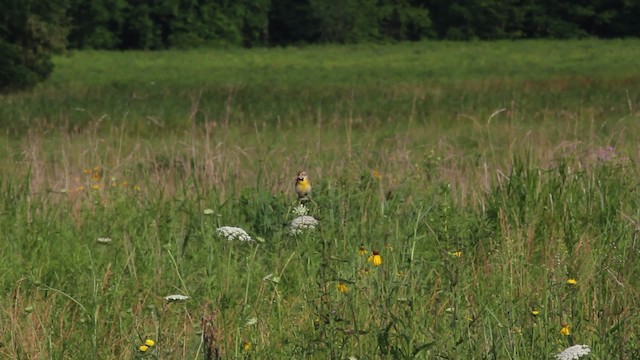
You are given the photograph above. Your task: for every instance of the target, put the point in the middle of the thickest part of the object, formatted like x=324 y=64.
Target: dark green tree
x=30 y=31
x=292 y=22
x=347 y=21
x=403 y=20
x=96 y=24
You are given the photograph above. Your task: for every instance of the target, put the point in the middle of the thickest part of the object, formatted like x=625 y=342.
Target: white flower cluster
x=233 y=233
x=301 y=223
x=176 y=297
x=300 y=210
x=574 y=352
x=103 y=240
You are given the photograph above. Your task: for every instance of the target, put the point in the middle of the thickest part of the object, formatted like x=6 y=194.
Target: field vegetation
x=495 y=181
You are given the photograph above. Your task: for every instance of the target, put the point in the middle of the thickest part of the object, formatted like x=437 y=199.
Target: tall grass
x=481 y=212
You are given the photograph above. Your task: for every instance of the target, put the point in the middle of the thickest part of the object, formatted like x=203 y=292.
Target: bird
x=303 y=186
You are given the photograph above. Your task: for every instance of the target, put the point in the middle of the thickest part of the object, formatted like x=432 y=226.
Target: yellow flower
x=457 y=253
x=246 y=346
x=342 y=287
x=375 y=259
x=535 y=312
x=143 y=348
x=149 y=342
x=362 y=250
x=565 y=330
x=572 y=281
x=376 y=174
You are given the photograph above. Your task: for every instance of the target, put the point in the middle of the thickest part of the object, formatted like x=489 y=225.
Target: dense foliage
x=126 y=24
x=29 y=31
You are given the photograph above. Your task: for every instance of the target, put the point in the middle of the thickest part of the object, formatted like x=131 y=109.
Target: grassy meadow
x=495 y=181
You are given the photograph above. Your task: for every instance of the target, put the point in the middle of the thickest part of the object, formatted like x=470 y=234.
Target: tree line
x=30 y=30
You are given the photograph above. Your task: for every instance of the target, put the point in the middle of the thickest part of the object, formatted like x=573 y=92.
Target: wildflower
x=457 y=253
x=143 y=348
x=103 y=240
x=176 y=297
x=137 y=188
x=246 y=346
x=375 y=259
x=251 y=322
x=362 y=250
x=572 y=281
x=300 y=210
x=342 y=287
x=150 y=343
x=233 y=233
x=605 y=153
x=535 y=312
x=208 y=211
x=376 y=174
x=565 y=330
x=574 y=352
x=301 y=223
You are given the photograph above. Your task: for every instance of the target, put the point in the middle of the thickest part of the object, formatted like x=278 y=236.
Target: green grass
x=155 y=92
x=485 y=174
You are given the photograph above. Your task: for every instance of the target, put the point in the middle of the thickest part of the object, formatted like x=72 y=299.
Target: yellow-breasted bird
x=303 y=185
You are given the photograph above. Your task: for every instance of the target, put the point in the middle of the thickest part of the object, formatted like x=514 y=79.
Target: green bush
x=30 y=32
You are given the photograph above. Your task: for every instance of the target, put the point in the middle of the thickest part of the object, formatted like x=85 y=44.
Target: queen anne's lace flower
x=300 y=210
x=574 y=352
x=176 y=297
x=233 y=233
x=301 y=223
